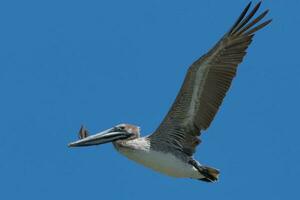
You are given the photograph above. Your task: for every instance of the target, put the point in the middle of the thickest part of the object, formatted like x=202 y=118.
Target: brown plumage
x=205 y=85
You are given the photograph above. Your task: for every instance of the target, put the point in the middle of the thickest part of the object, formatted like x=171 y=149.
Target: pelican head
x=119 y=132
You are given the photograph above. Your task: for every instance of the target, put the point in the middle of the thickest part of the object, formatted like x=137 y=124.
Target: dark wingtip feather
x=258 y=27
x=242 y=15
x=244 y=25
x=247 y=19
x=251 y=24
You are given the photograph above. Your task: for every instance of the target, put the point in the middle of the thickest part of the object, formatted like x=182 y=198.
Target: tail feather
x=210 y=174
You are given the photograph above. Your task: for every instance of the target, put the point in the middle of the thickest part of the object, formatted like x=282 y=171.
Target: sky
x=101 y=63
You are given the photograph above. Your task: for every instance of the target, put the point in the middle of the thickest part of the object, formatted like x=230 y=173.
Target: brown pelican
x=170 y=148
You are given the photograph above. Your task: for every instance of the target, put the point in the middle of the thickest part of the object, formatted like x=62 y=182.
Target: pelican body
x=169 y=150
x=140 y=150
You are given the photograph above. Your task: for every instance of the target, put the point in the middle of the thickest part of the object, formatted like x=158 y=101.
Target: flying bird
x=169 y=150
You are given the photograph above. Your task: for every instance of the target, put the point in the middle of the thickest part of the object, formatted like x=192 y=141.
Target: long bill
x=106 y=136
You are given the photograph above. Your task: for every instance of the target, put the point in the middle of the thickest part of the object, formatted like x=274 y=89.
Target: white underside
x=165 y=163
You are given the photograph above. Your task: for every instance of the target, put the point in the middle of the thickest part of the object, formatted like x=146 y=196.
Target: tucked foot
x=210 y=174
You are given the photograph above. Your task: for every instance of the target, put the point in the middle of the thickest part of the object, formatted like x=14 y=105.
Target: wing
x=206 y=84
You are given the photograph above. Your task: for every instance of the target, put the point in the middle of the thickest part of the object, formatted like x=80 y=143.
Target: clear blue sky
x=67 y=63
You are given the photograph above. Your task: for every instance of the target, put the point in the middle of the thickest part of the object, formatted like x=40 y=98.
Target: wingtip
x=268 y=21
x=266 y=11
x=257 y=6
x=249 y=4
x=247 y=7
x=259 y=3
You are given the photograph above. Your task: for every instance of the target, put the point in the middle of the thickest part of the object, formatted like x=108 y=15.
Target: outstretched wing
x=206 y=84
